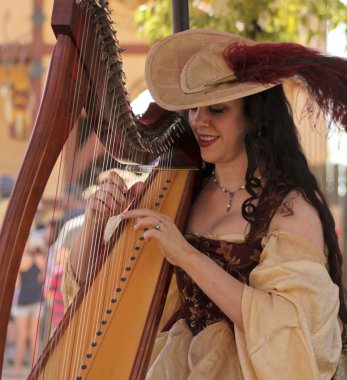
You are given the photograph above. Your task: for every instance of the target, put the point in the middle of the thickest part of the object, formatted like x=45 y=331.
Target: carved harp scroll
x=62 y=103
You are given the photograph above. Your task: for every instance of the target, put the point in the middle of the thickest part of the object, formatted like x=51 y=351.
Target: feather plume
x=324 y=75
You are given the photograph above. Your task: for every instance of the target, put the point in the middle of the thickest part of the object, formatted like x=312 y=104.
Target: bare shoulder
x=297 y=216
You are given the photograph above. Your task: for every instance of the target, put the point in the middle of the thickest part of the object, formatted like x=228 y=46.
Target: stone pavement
x=9 y=374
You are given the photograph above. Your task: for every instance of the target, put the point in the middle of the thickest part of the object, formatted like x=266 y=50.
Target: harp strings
x=119 y=258
x=79 y=342
x=66 y=237
x=55 y=254
x=78 y=166
x=87 y=307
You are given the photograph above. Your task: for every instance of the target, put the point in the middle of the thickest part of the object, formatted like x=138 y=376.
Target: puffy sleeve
x=290 y=313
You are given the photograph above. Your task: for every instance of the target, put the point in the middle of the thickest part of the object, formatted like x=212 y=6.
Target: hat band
x=230 y=79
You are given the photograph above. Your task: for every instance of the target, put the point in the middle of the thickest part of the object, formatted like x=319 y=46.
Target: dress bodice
x=237 y=259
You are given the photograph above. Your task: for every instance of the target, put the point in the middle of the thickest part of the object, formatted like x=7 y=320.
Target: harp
x=85 y=78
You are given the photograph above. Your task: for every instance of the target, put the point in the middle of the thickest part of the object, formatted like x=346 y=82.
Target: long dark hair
x=273 y=146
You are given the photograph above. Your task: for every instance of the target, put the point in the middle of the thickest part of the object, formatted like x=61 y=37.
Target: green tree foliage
x=262 y=20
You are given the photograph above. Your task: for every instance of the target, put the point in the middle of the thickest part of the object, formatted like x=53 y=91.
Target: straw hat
x=187 y=70
x=201 y=67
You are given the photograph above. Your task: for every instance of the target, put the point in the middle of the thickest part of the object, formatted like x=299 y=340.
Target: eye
x=216 y=109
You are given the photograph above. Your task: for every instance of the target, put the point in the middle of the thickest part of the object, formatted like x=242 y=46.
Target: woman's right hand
x=111 y=198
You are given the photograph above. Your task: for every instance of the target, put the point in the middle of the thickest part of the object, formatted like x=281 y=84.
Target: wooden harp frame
x=49 y=135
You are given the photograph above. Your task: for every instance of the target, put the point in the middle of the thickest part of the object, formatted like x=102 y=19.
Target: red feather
x=324 y=76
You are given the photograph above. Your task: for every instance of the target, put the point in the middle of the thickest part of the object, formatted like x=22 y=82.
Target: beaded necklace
x=225 y=190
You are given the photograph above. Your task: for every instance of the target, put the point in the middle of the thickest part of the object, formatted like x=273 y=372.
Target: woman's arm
x=224 y=290
x=110 y=199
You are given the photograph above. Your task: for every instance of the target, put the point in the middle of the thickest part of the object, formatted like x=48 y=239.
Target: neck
x=231 y=175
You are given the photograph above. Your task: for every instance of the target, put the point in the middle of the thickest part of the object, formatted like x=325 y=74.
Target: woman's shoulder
x=296 y=215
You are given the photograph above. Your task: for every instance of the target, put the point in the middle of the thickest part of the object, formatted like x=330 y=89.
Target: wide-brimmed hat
x=201 y=67
x=187 y=70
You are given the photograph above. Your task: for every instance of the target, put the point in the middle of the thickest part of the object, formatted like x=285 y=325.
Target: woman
x=259 y=268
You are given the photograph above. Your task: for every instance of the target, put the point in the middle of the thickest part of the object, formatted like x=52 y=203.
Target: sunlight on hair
x=337 y=141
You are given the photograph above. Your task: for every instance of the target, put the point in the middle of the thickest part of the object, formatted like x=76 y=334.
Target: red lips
x=205 y=141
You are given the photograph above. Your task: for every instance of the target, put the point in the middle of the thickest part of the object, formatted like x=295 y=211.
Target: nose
x=200 y=117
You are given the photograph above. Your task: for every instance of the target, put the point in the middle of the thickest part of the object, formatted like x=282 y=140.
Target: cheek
x=235 y=136
x=190 y=120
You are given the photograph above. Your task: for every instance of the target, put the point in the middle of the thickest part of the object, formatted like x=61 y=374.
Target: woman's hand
x=162 y=228
x=217 y=284
x=111 y=198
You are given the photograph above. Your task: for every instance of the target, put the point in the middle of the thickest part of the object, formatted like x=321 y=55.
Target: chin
x=209 y=159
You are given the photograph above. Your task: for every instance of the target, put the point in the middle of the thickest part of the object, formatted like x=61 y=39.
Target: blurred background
x=26 y=44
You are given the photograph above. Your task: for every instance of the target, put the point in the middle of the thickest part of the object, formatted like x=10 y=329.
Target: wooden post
x=180 y=15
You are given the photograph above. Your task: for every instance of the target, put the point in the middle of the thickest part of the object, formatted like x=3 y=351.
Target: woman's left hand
x=162 y=228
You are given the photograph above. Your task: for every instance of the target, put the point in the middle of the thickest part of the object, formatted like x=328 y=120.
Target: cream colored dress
x=290 y=317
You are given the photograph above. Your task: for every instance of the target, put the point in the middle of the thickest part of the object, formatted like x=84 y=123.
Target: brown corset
x=238 y=259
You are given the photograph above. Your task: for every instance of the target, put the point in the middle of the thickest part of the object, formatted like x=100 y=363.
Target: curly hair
x=273 y=146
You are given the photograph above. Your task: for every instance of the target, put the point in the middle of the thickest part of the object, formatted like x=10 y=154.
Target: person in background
x=53 y=293
x=26 y=310
x=6 y=186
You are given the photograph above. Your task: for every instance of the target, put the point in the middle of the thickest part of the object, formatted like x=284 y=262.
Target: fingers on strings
x=110 y=198
x=150 y=222
x=115 y=179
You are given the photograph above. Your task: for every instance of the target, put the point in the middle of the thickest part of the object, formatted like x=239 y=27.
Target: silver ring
x=158 y=225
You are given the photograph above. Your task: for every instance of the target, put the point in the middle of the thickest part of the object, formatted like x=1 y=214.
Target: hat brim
x=166 y=60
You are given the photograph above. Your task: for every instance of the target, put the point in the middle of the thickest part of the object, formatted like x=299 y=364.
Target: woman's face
x=220 y=131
